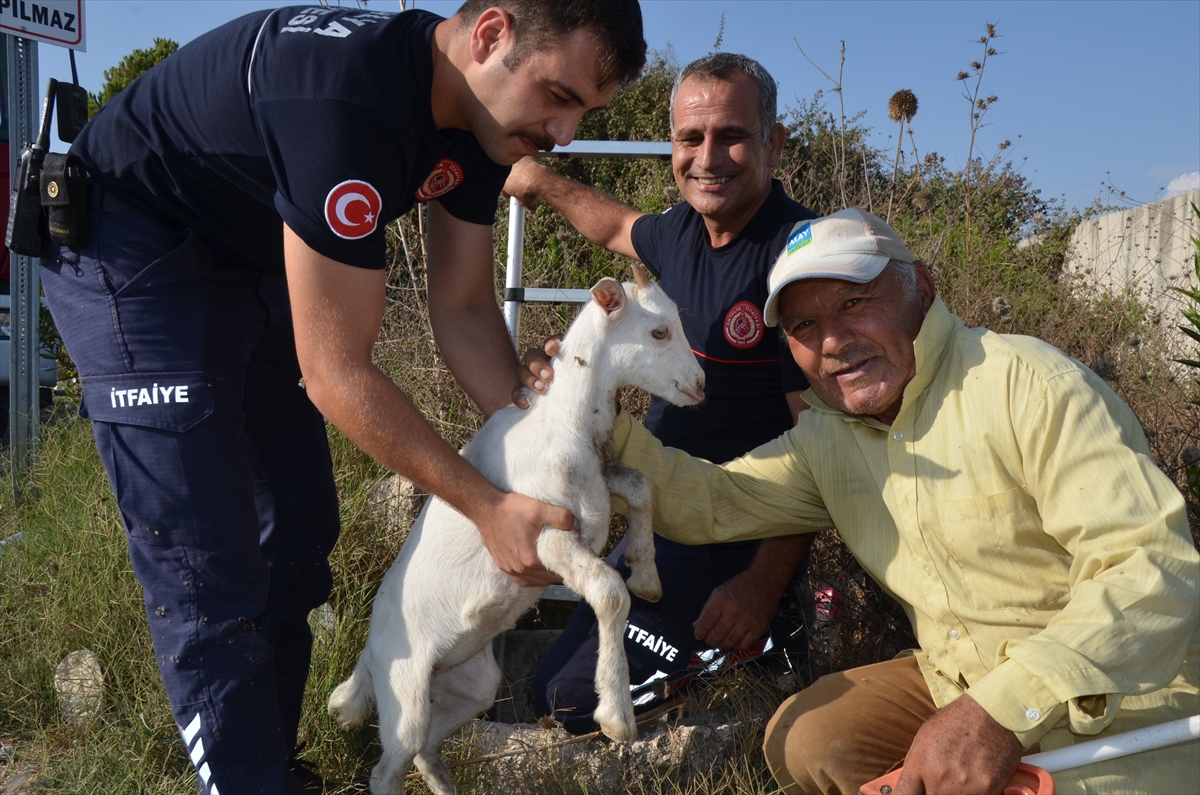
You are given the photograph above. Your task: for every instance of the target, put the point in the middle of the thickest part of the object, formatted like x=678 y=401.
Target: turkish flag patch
x=352 y=209
x=445 y=177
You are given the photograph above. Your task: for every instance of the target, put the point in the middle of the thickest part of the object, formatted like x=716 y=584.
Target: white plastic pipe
x=1131 y=742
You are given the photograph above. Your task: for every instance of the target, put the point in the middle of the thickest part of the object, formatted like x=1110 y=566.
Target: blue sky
x=1097 y=91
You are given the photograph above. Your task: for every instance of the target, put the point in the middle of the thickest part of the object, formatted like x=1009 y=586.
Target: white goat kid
x=428 y=658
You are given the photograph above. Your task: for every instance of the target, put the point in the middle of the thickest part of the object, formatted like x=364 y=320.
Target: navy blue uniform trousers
x=659 y=640
x=221 y=468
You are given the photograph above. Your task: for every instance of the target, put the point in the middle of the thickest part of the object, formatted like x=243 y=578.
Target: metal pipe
x=514 y=265
x=1102 y=749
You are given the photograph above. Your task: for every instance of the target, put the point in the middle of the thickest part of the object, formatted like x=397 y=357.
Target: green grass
x=65 y=585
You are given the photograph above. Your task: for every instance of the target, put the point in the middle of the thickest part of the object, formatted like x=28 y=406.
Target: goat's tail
x=350 y=702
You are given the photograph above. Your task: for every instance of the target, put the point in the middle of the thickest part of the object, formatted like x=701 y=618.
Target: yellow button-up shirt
x=1013 y=508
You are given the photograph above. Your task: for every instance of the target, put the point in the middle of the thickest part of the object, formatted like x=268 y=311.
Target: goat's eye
x=660 y=333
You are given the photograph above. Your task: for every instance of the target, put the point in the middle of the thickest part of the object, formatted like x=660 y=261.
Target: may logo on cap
x=850 y=244
x=799 y=238
x=352 y=209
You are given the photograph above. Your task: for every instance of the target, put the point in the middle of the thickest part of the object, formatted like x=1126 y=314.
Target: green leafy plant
x=130 y=68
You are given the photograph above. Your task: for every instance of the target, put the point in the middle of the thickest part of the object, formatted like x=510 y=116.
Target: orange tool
x=1026 y=780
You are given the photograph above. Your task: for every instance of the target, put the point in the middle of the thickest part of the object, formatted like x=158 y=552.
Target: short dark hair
x=540 y=24
x=722 y=66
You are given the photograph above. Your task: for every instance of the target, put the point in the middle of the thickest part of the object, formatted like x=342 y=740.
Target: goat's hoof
x=645 y=585
x=617 y=724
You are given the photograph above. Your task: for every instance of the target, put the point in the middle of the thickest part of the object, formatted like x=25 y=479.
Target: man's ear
x=925 y=287
x=775 y=142
x=492 y=33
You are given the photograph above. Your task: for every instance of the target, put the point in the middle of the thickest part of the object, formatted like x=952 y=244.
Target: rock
x=694 y=747
x=1001 y=307
x=17 y=782
x=79 y=684
x=395 y=501
x=323 y=623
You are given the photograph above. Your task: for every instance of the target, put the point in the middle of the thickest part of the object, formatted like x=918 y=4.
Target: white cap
x=851 y=244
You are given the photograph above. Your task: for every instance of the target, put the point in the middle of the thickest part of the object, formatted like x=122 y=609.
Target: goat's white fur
x=428 y=660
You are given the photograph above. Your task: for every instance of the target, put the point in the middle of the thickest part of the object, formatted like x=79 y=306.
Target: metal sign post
x=24 y=284
x=25 y=23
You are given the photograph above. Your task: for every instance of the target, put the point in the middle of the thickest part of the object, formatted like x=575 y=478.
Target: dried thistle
x=962 y=76
x=991 y=29
x=976 y=65
x=923 y=201
x=902 y=106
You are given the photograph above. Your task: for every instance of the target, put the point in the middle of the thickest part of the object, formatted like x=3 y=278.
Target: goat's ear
x=640 y=276
x=610 y=295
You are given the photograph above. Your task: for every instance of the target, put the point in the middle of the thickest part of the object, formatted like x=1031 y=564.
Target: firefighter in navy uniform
x=231 y=289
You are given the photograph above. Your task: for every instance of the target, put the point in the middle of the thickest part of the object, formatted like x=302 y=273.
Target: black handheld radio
x=25 y=219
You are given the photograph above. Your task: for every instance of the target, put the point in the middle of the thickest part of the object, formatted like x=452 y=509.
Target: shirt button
x=898 y=436
x=927 y=569
x=1032 y=714
x=954 y=634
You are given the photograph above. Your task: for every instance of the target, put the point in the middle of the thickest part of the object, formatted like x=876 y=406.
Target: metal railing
x=514 y=293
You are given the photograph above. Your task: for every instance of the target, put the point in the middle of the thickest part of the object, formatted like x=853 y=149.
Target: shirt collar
x=929 y=346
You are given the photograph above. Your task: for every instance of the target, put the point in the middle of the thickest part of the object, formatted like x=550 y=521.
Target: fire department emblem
x=352 y=209
x=445 y=177
x=743 y=325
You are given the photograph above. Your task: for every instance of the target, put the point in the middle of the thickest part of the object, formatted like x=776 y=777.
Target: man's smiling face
x=855 y=341
x=721 y=162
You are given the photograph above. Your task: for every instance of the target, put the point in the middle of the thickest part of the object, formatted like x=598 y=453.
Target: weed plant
x=996 y=249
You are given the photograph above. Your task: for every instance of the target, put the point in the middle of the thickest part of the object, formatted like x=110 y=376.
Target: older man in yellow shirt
x=1001 y=492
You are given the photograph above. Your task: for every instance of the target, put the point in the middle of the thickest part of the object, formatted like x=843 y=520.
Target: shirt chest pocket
x=996 y=547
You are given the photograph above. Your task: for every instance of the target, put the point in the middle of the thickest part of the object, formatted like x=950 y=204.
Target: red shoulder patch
x=445 y=177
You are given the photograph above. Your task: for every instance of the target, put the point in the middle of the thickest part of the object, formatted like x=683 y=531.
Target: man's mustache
x=831 y=365
x=540 y=140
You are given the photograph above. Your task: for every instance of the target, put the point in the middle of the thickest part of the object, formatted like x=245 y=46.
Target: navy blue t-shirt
x=720 y=293
x=319 y=117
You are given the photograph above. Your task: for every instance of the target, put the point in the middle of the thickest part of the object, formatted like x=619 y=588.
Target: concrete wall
x=1148 y=248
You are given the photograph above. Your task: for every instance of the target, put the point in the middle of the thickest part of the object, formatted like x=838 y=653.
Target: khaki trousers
x=847 y=728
